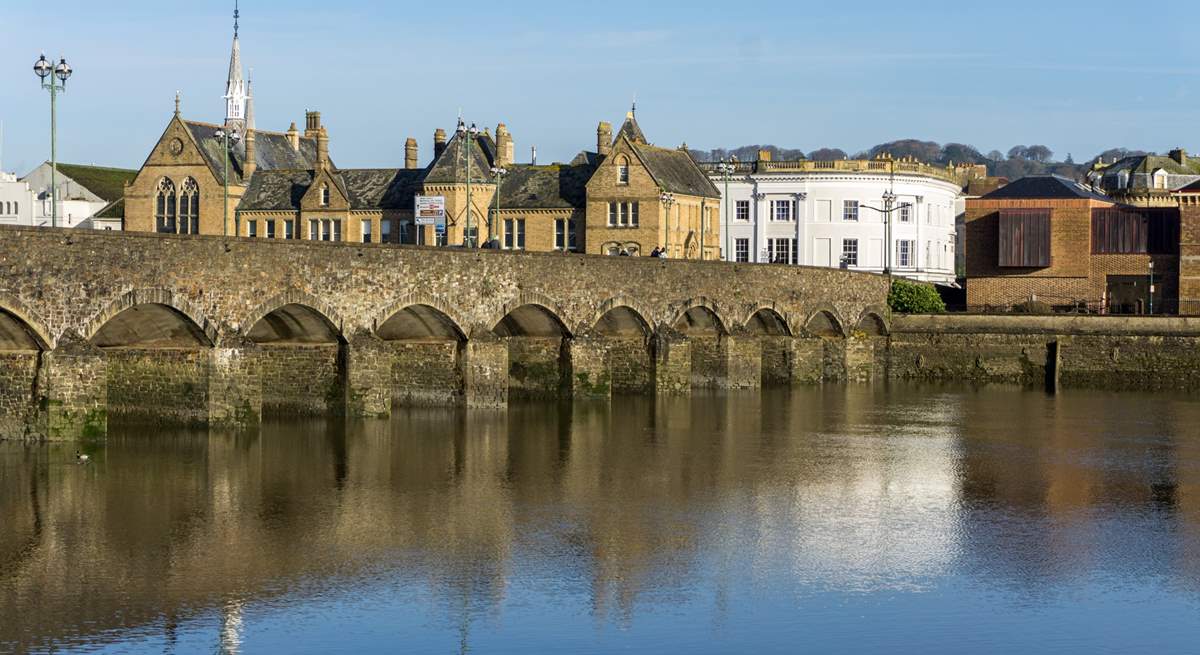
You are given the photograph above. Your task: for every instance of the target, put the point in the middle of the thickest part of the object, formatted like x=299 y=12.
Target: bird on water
x=80 y=457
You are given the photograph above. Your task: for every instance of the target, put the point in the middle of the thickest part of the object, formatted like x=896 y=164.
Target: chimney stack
x=439 y=142
x=410 y=153
x=293 y=137
x=1180 y=156
x=604 y=139
x=764 y=155
x=323 y=148
x=312 y=124
x=504 y=146
x=250 y=165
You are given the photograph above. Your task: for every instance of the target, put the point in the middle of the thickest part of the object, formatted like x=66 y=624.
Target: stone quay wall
x=100 y=325
x=1108 y=352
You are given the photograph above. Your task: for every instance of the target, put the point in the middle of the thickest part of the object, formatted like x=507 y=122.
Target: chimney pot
x=293 y=137
x=410 y=153
x=604 y=139
x=323 y=148
x=504 y=146
x=439 y=142
x=312 y=124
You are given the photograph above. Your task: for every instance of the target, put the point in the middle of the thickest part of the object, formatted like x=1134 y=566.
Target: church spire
x=235 y=86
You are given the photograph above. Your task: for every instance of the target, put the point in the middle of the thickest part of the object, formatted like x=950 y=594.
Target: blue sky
x=1078 y=77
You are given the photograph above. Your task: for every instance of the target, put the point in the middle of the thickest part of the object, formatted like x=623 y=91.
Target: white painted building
x=829 y=214
x=16 y=201
x=82 y=191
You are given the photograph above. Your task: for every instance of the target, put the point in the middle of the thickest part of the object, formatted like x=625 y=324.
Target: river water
x=907 y=519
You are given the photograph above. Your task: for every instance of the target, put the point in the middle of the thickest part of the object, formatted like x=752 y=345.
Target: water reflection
x=585 y=523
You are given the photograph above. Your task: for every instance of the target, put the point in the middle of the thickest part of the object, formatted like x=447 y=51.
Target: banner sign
x=430 y=210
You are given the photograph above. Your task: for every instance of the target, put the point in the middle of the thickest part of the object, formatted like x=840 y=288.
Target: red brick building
x=1050 y=239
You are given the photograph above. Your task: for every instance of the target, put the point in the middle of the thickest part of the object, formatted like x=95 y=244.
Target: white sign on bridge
x=430 y=210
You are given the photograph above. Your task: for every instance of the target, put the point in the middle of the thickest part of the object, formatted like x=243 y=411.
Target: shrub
x=914 y=298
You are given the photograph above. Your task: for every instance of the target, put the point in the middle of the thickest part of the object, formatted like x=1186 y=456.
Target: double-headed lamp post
x=726 y=169
x=1151 y=286
x=463 y=133
x=228 y=140
x=48 y=71
x=668 y=199
x=889 y=207
x=498 y=172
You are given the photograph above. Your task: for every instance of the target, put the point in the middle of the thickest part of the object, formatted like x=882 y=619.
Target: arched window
x=189 y=207
x=164 y=206
x=324 y=195
x=622 y=171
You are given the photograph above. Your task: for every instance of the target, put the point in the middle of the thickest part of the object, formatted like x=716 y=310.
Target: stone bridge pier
x=217 y=332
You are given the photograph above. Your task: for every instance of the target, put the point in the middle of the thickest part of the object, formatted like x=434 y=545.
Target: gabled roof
x=1140 y=167
x=272 y=151
x=675 y=171
x=108 y=183
x=630 y=130
x=545 y=187
x=450 y=167
x=1045 y=187
x=365 y=188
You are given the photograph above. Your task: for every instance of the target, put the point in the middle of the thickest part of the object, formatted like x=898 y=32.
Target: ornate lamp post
x=228 y=140
x=463 y=133
x=46 y=70
x=889 y=207
x=498 y=172
x=1152 y=287
x=726 y=169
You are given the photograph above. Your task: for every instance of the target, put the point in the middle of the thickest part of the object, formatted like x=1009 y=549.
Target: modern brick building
x=1053 y=240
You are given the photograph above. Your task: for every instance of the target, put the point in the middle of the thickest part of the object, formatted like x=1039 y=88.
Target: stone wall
x=18 y=394
x=303 y=380
x=157 y=386
x=426 y=372
x=536 y=368
x=710 y=361
x=630 y=365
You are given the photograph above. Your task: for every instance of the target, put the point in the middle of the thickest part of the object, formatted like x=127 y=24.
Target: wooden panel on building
x=1024 y=238
x=1129 y=230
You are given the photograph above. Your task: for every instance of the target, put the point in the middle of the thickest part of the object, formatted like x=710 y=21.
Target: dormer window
x=623 y=171
x=1160 y=179
x=1123 y=180
x=324 y=195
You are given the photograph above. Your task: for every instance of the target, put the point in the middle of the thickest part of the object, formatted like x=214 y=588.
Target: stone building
x=1052 y=240
x=1150 y=180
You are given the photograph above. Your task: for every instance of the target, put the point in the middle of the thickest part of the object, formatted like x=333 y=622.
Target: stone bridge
x=218 y=331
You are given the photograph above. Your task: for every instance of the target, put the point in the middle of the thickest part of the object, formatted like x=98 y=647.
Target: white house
x=82 y=192
x=16 y=201
x=832 y=213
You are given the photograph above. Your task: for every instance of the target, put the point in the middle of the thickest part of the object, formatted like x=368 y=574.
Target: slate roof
x=676 y=171
x=108 y=183
x=1140 y=168
x=630 y=130
x=271 y=152
x=450 y=167
x=1045 y=187
x=545 y=187
x=367 y=188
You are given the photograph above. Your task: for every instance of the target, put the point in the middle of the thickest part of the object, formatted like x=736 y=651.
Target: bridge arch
x=418 y=317
x=293 y=317
x=531 y=315
x=824 y=322
x=19 y=328
x=872 y=324
x=700 y=316
x=620 y=316
x=538 y=357
x=765 y=320
x=155 y=318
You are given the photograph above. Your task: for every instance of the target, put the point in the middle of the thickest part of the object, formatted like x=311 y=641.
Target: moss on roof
x=108 y=183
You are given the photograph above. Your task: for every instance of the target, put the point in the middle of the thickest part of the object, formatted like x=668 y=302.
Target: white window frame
x=850 y=211
x=741 y=250
x=781 y=211
x=904 y=253
x=367 y=228
x=846 y=250
x=741 y=210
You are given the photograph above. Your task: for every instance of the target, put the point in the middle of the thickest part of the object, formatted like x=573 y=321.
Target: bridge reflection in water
x=559 y=524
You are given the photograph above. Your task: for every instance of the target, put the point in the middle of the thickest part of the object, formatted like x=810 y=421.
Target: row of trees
x=1020 y=161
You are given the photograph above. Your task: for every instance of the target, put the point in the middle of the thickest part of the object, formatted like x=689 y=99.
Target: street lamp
x=228 y=140
x=46 y=70
x=889 y=207
x=726 y=169
x=1152 y=287
x=463 y=133
x=498 y=172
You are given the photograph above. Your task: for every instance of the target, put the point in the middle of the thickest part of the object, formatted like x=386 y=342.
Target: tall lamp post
x=463 y=133
x=1152 y=287
x=726 y=169
x=498 y=172
x=889 y=207
x=668 y=199
x=46 y=70
x=228 y=140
